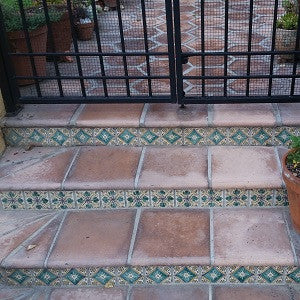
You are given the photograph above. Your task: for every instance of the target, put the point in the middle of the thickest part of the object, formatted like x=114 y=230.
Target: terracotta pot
x=293 y=188
x=62 y=36
x=22 y=64
x=286 y=41
x=85 y=31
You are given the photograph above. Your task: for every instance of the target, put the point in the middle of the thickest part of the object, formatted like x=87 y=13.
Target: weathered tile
x=92 y=238
x=236 y=197
x=110 y=115
x=130 y=275
x=158 y=275
x=37 y=200
x=104 y=168
x=187 y=198
x=170 y=115
x=62 y=199
x=82 y=136
x=163 y=236
x=113 y=199
x=251 y=237
x=170 y=168
x=290 y=113
x=211 y=198
x=138 y=198
x=186 y=274
x=87 y=199
x=245 y=167
x=7 y=292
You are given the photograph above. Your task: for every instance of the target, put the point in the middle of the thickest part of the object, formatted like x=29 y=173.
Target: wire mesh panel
x=230 y=51
x=87 y=51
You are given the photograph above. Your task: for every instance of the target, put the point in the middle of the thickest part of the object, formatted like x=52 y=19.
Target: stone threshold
x=151 y=136
x=131 y=199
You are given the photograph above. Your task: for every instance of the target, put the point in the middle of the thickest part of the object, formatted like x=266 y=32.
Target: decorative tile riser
x=148 y=275
x=116 y=199
x=206 y=136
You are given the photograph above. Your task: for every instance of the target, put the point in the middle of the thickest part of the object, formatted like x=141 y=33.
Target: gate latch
x=184 y=59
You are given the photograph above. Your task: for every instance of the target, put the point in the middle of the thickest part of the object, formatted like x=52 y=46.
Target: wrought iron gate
x=188 y=51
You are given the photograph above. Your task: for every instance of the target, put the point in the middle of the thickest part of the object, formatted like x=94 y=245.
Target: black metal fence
x=188 y=51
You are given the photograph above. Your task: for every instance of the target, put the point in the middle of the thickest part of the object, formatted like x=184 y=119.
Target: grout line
x=210 y=115
x=70 y=167
x=209 y=167
x=279 y=165
x=133 y=236
x=55 y=239
x=128 y=293
x=210 y=295
x=290 y=238
x=76 y=114
x=276 y=113
x=144 y=113
x=139 y=168
x=211 y=236
x=30 y=237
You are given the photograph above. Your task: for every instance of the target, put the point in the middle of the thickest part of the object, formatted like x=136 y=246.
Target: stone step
x=126 y=177
x=156 y=292
x=148 y=246
x=153 y=124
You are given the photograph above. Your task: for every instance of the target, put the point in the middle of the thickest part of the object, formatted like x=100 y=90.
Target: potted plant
x=286 y=32
x=83 y=20
x=37 y=29
x=291 y=177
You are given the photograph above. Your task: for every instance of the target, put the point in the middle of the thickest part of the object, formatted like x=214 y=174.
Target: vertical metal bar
x=249 y=47
x=46 y=10
x=78 y=61
x=29 y=46
x=273 y=47
x=226 y=47
x=178 y=51
x=202 y=47
x=295 y=57
x=99 y=47
x=146 y=46
x=123 y=46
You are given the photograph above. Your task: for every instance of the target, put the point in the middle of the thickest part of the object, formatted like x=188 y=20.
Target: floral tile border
x=116 y=199
x=136 y=275
x=206 y=136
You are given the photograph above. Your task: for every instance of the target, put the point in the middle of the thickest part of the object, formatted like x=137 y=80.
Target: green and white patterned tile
x=87 y=199
x=113 y=199
x=82 y=136
x=138 y=198
x=130 y=275
x=12 y=200
x=239 y=136
x=217 y=136
x=187 y=198
x=281 y=198
x=171 y=136
x=163 y=198
x=127 y=136
x=186 y=274
x=75 y=276
x=262 y=136
x=37 y=136
x=103 y=276
x=213 y=274
x=211 y=198
x=59 y=137
x=15 y=136
x=105 y=136
x=236 y=197
x=282 y=135
x=150 y=136
x=158 y=275
x=62 y=200
x=271 y=274
x=195 y=136
x=261 y=197
x=49 y=277
x=19 y=277
x=242 y=274
x=37 y=199
x=293 y=275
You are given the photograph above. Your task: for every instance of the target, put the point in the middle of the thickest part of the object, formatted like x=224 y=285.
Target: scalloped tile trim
x=131 y=275
x=116 y=199
x=206 y=136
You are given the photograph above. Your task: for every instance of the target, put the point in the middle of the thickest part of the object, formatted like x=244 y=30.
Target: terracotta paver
x=175 y=167
x=43 y=115
x=251 y=237
x=107 y=115
x=243 y=115
x=251 y=292
x=290 y=113
x=9 y=292
x=28 y=257
x=245 y=167
x=172 y=237
x=93 y=238
x=17 y=226
x=171 y=115
x=90 y=293
x=104 y=167
x=170 y=292
x=47 y=173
